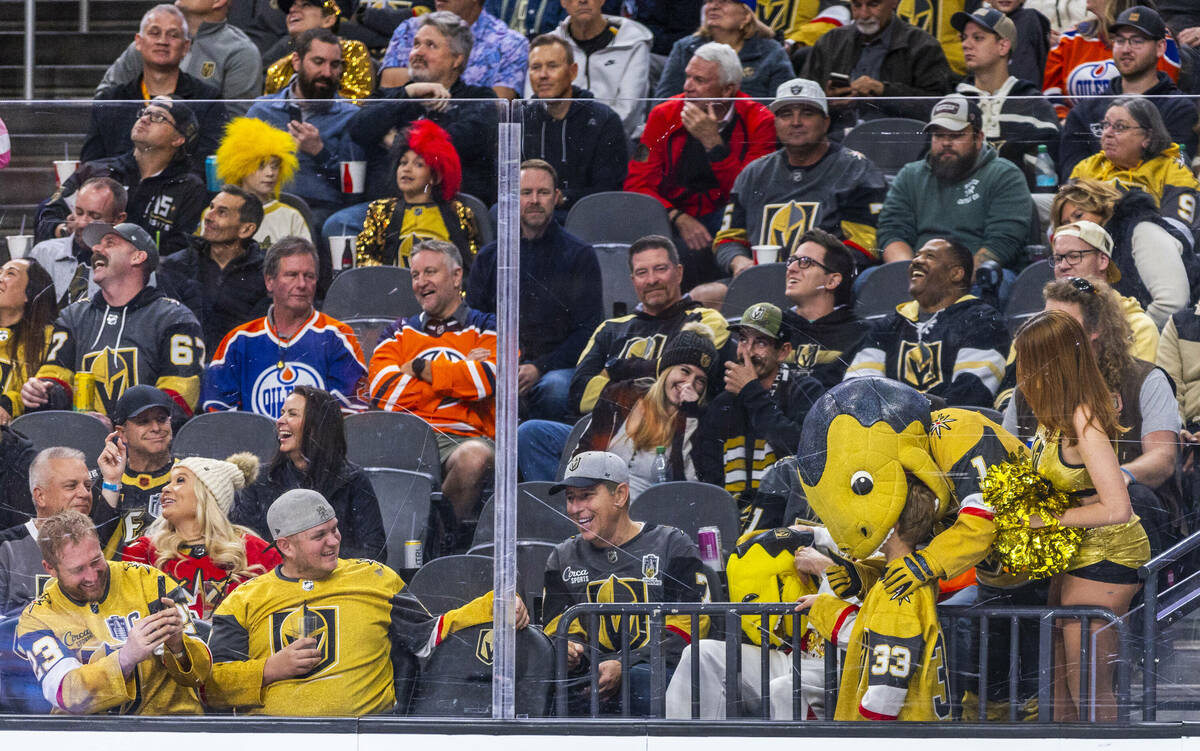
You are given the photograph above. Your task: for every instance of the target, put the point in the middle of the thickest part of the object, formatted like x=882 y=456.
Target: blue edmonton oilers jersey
x=254 y=370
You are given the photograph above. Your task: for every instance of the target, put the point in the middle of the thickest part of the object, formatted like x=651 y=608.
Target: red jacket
x=654 y=169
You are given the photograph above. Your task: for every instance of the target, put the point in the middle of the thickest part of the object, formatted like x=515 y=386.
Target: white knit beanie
x=223 y=477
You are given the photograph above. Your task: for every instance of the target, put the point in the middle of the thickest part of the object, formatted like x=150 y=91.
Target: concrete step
x=53 y=81
x=26 y=184
x=63 y=15
x=35 y=150
x=58 y=119
x=56 y=47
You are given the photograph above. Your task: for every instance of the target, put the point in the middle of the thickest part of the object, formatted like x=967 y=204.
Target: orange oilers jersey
x=1080 y=66
x=460 y=398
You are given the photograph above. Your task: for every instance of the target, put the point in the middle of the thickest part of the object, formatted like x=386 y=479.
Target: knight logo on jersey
x=114 y=370
x=805 y=356
x=921 y=364
x=784 y=223
x=322 y=625
x=778 y=14
x=614 y=589
x=274 y=384
x=1091 y=79
x=484 y=647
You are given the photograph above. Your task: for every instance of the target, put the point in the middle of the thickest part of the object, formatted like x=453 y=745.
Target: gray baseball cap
x=128 y=231
x=297 y=510
x=591 y=467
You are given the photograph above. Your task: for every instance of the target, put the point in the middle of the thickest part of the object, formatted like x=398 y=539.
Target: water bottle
x=660 y=465
x=1046 y=177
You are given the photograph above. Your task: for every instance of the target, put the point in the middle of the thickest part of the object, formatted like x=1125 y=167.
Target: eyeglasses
x=1118 y=128
x=1081 y=284
x=807 y=262
x=155 y=115
x=1069 y=258
x=1134 y=41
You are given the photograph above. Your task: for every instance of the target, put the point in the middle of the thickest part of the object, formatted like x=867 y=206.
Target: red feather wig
x=433 y=145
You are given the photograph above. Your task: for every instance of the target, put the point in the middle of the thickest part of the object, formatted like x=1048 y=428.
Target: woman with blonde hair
x=1073 y=449
x=634 y=419
x=731 y=22
x=1150 y=257
x=262 y=159
x=193 y=539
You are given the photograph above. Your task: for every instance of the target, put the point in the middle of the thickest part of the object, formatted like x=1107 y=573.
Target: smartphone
x=294 y=113
x=840 y=80
x=158 y=604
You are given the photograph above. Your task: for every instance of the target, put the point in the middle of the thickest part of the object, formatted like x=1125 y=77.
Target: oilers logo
x=274 y=384
x=1091 y=79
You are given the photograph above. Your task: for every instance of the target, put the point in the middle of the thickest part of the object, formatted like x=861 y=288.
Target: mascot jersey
x=895 y=664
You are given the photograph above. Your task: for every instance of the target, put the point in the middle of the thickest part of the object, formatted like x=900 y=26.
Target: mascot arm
x=961 y=546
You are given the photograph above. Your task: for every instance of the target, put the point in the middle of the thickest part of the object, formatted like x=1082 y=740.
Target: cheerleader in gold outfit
x=1073 y=449
x=428 y=175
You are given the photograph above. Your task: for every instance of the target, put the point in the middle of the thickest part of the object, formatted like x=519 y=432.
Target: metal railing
x=30 y=19
x=656 y=614
x=1161 y=609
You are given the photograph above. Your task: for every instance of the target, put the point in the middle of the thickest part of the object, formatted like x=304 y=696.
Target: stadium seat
x=404 y=499
x=396 y=440
x=19 y=690
x=756 y=284
x=617 y=217
x=77 y=430
x=451 y=581
x=1025 y=297
x=883 y=290
x=217 y=435
x=531 y=572
x=889 y=142
x=541 y=517
x=300 y=205
x=689 y=506
x=368 y=330
x=381 y=293
x=617 y=294
x=456 y=680
x=483 y=219
x=571 y=444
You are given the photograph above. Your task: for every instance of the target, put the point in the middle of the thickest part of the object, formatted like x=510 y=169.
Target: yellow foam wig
x=249 y=142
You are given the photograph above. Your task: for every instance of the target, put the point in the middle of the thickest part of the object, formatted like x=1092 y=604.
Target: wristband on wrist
x=114 y=487
x=1129 y=474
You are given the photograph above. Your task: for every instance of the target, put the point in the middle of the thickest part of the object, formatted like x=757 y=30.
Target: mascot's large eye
x=862 y=483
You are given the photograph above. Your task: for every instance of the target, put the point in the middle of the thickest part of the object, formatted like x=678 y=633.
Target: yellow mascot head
x=859 y=445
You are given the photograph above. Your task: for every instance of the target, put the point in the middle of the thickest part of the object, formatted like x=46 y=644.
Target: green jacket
x=991 y=208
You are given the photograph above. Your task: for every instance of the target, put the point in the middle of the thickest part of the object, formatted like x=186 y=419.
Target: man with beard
x=756 y=419
x=1138 y=40
x=879 y=55
x=944 y=342
x=318 y=122
x=559 y=307
x=962 y=189
x=93 y=638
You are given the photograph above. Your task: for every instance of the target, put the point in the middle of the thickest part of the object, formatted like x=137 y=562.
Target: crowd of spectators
x=181 y=269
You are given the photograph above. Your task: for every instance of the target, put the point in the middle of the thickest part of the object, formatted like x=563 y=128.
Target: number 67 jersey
x=72 y=649
x=154 y=340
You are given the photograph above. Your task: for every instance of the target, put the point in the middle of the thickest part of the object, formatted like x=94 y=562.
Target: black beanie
x=689 y=348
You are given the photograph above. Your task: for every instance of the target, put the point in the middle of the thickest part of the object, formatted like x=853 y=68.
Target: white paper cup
x=19 y=246
x=339 y=247
x=766 y=253
x=354 y=176
x=64 y=168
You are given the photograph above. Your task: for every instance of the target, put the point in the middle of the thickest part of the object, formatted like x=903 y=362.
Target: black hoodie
x=825 y=347
x=587 y=148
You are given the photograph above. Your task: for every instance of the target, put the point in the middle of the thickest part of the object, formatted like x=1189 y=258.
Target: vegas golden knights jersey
x=72 y=649
x=16 y=367
x=137 y=507
x=660 y=564
x=933 y=17
x=354 y=614
x=895 y=663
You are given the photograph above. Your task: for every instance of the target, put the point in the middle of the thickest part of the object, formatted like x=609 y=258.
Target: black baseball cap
x=1145 y=20
x=138 y=399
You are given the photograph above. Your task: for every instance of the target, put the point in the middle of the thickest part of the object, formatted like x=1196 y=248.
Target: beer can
x=413 y=553
x=709 y=541
x=85 y=387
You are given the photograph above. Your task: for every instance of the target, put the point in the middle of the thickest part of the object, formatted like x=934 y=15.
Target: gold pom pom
x=1015 y=491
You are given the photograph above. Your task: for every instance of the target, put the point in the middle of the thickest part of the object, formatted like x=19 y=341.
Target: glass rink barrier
x=436 y=414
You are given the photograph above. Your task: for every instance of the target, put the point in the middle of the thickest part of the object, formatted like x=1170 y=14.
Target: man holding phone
x=93 y=638
x=880 y=57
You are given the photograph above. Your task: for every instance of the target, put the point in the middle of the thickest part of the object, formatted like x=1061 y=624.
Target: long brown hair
x=1102 y=315
x=41 y=308
x=1057 y=373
